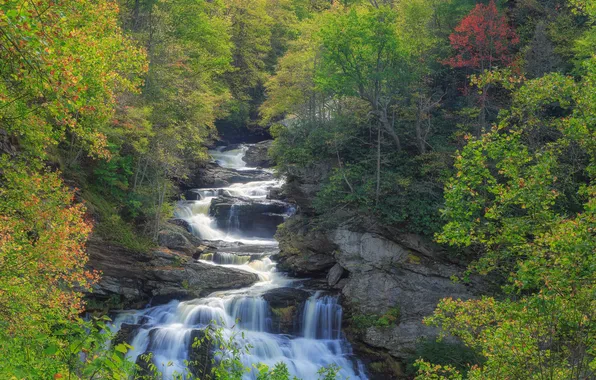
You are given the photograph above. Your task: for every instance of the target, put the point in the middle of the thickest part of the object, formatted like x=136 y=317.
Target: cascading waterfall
x=322 y=318
x=167 y=330
x=233 y=221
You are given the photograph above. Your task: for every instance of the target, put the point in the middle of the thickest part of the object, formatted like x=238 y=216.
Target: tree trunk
x=388 y=127
x=419 y=134
x=378 y=190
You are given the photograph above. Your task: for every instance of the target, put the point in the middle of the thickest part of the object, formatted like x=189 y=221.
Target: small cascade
x=196 y=213
x=233 y=220
x=230 y=158
x=252 y=313
x=166 y=331
x=322 y=318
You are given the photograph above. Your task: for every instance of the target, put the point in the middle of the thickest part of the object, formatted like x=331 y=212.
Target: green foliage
x=110 y=224
x=524 y=193
x=441 y=352
x=364 y=321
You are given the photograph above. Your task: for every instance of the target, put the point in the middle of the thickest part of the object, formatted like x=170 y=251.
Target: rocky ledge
x=254 y=217
x=212 y=175
x=133 y=279
x=405 y=276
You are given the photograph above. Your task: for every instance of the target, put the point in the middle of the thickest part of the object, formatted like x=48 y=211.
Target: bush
x=364 y=321
x=456 y=355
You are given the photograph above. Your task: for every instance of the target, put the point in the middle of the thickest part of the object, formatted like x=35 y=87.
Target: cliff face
x=404 y=275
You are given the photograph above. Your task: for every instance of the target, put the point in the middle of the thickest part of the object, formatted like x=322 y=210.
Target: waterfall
x=166 y=331
x=322 y=318
x=233 y=220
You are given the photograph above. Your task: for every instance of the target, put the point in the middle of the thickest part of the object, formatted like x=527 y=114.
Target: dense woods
x=472 y=123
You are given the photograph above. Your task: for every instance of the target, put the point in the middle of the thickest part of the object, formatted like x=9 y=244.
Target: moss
x=364 y=321
x=285 y=314
x=185 y=284
x=206 y=256
x=413 y=259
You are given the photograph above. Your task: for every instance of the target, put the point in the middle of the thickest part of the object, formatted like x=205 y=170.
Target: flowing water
x=167 y=330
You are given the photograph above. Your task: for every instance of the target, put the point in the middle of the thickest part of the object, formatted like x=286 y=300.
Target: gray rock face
x=133 y=279
x=257 y=155
x=212 y=175
x=364 y=251
x=385 y=274
x=283 y=297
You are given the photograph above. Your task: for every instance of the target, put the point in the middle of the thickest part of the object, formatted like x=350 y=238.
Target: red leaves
x=482 y=39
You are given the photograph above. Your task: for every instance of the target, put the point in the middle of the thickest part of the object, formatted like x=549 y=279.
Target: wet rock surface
x=132 y=279
x=251 y=217
x=176 y=237
x=257 y=155
x=286 y=305
x=212 y=175
x=303 y=252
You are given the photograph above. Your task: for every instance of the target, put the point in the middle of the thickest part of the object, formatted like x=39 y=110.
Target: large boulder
x=176 y=237
x=251 y=217
x=286 y=306
x=304 y=252
x=132 y=279
x=257 y=155
x=212 y=175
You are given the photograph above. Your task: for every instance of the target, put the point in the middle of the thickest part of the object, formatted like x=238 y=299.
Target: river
x=316 y=339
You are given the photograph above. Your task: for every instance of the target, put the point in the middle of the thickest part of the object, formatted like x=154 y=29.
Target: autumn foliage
x=63 y=65
x=482 y=40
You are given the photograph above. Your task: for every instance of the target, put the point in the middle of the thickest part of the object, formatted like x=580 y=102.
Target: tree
x=482 y=42
x=363 y=56
x=63 y=66
x=524 y=196
x=540 y=56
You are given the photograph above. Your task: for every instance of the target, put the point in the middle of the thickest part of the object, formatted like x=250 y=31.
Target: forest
x=470 y=124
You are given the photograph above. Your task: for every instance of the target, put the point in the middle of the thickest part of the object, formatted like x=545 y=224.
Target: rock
x=192 y=195
x=366 y=251
x=182 y=223
x=251 y=217
x=335 y=274
x=304 y=252
x=212 y=175
x=125 y=334
x=308 y=263
x=257 y=155
x=277 y=194
x=286 y=307
x=175 y=237
x=283 y=297
x=384 y=274
x=132 y=279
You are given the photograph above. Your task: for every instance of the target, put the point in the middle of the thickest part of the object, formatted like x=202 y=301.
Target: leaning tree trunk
x=388 y=127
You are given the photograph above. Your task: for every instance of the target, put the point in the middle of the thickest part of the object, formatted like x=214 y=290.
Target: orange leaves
x=42 y=251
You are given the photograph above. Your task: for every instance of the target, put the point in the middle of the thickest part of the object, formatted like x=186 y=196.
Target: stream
x=244 y=242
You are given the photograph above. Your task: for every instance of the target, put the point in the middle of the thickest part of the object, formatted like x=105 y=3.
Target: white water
x=166 y=330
